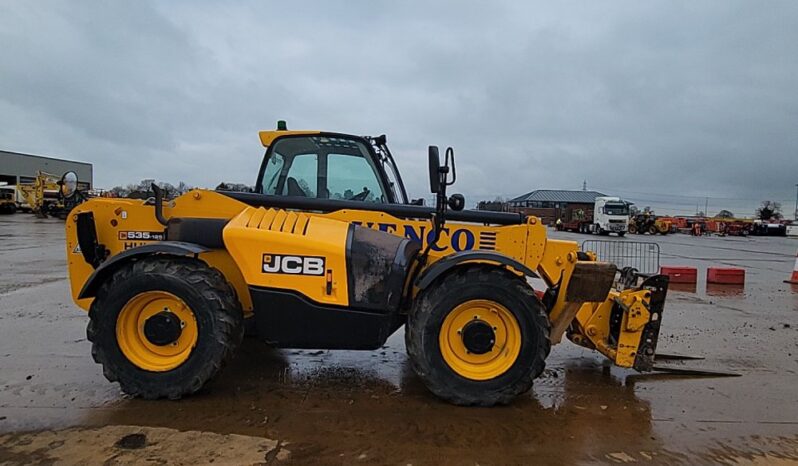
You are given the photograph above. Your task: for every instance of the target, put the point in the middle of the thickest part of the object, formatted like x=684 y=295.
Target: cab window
x=322 y=167
x=352 y=178
x=271 y=173
x=302 y=176
x=616 y=209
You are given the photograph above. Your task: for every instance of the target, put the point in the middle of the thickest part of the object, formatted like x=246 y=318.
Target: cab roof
x=267 y=137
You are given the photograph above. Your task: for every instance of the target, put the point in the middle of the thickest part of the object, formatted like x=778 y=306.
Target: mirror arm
x=450 y=163
x=441 y=200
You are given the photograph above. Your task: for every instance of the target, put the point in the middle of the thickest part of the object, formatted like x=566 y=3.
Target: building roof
x=560 y=195
x=21 y=154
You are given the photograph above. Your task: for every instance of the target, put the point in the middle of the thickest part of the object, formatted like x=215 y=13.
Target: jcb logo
x=295 y=265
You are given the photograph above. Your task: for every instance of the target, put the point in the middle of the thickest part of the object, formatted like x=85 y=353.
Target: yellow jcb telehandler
x=330 y=253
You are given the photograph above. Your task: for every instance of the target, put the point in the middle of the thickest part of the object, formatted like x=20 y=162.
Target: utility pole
x=795 y=215
x=584 y=185
x=706 y=207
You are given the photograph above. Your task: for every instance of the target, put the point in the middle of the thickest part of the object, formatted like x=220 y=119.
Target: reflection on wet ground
x=710 y=289
x=349 y=404
x=683 y=287
x=714 y=289
x=332 y=407
x=349 y=407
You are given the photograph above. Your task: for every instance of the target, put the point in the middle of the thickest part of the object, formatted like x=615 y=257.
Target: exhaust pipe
x=159 y=204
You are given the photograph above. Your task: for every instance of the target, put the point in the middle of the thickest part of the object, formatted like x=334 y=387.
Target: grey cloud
x=683 y=98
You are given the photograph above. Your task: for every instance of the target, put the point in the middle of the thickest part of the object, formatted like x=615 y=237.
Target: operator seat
x=294 y=189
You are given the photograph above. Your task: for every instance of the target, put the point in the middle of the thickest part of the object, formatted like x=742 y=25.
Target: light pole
x=795 y=214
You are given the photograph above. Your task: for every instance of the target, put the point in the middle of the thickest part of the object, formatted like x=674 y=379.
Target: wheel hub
x=478 y=337
x=163 y=328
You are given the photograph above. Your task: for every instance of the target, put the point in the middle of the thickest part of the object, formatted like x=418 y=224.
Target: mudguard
x=107 y=268
x=453 y=260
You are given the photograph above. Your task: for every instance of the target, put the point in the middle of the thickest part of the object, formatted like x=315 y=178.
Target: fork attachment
x=646 y=351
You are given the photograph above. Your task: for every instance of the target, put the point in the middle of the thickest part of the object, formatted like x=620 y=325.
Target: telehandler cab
x=330 y=253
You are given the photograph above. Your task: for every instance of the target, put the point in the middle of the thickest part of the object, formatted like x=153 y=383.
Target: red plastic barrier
x=726 y=275
x=680 y=274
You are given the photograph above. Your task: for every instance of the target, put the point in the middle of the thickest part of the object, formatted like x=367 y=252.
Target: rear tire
x=217 y=326
x=526 y=320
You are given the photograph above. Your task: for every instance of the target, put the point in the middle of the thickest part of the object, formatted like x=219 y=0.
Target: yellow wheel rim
x=135 y=345
x=501 y=356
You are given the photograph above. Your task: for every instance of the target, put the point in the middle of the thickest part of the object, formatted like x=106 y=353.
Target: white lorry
x=610 y=215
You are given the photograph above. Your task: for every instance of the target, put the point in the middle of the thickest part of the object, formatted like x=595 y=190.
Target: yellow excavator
x=329 y=252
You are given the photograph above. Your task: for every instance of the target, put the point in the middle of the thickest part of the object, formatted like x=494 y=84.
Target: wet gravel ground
x=346 y=407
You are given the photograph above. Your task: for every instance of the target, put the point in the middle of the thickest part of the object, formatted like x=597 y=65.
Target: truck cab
x=611 y=215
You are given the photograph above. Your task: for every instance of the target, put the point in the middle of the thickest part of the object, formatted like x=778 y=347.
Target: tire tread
x=475 y=275
x=215 y=290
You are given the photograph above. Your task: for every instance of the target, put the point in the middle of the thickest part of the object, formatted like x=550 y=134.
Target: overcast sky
x=663 y=103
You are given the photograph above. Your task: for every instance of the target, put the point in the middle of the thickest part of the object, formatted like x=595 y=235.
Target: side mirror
x=69 y=184
x=434 y=169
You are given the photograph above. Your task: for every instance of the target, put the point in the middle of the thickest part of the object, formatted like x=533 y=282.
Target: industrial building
x=550 y=204
x=18 y=168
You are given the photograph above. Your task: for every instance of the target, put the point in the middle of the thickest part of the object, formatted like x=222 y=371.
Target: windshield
x=616 y=209
x=322 y=167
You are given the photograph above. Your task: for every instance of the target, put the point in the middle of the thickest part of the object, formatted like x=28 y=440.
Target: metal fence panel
x=643 y=256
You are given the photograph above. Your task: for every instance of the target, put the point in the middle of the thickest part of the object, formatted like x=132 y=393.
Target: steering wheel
x=361 y=196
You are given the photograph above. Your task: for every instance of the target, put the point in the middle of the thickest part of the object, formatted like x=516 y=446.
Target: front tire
x=453 y=349
x=163 y=326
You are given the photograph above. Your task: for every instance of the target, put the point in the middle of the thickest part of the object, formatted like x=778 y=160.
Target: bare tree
x=497 y=205
x=769 y=210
